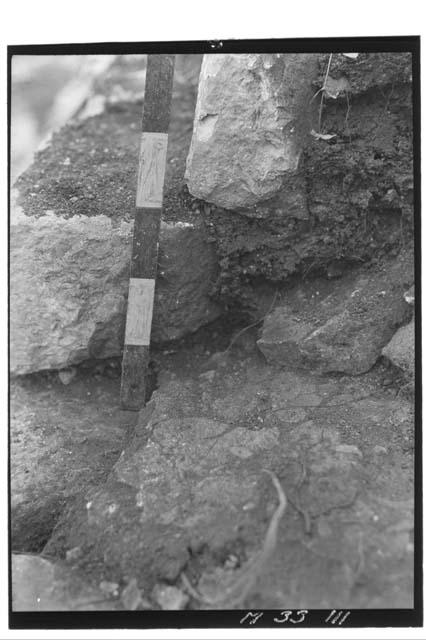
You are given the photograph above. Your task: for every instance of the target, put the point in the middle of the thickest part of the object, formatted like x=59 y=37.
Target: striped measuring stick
x=149 y=202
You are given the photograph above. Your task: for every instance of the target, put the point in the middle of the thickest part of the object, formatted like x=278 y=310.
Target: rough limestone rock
x=345 y=335
x=250 y=125
x=359 y=184
x=62 y=440
x=41 y=585
x=71 y=240
x=190 y=494
x=149 y=513
x=400 y=350
x=69 y=283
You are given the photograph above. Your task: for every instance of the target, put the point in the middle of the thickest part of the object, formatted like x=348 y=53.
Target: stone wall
x=354 y=186
x=71 y=234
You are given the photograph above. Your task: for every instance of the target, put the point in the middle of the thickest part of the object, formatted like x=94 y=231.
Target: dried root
x=237 y=591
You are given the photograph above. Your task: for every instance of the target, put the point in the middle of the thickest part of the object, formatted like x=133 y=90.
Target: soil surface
x=90 y=166
x=178 y=496
x=63 y=440
x=341 y=448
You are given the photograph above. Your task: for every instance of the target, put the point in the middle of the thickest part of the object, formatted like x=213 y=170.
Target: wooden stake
x=149 y=202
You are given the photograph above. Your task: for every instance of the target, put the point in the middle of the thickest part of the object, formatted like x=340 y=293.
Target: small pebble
x=73 y=554
x=409 y=295
x=231 y=562
x=348 y=448
x=109 y=587
x=131 y=597
x=66 y=375
x=208 y=375
x=249 y=506
x=170 y=598
x=379 y=449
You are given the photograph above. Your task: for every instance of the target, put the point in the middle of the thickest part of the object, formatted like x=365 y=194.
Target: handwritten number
x=297 y=617
x=286 y=615
x=302 y=613
x=337 y=617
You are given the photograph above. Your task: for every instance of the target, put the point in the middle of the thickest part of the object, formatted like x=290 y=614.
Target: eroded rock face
x=198 y=479
x=358 y=177
x=190 y=494
x=69 y=283
x=71 y=235
x=348 y=337
x=62 y=440
x=250 y=124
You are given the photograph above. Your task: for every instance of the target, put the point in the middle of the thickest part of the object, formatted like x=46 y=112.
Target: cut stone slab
x=69 y=285
x=41 y=585
x=401 y=349
x=251 y=120
x=350 y=336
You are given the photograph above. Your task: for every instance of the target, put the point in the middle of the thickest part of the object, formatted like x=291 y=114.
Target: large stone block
x=250 y=124
x=346 y=331
x=71 y=234
x=69 y=283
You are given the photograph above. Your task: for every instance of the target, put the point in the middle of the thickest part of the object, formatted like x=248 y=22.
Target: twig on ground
x=190 y=589
x=389 y=97
x=344 y=505
x=361 y=558
x=305 y=273
x=238 y=590
x=325 y=80
x=305 y=515
x=348 y=109
x=401 y=230
x=296 y=504
x=322 y=92
x=303 y=475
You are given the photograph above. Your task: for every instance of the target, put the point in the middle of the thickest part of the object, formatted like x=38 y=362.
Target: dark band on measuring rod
x=149 y=201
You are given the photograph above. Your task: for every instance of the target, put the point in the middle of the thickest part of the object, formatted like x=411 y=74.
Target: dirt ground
x=178 y=495
x=341 y=447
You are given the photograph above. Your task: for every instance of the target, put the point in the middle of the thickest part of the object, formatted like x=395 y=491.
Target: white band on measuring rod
x=139 y=311
x=152 y=168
